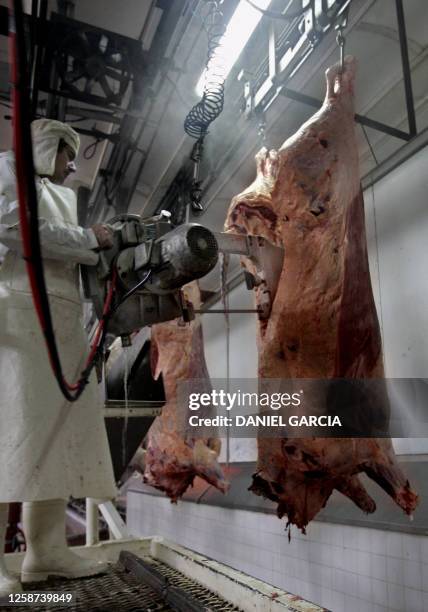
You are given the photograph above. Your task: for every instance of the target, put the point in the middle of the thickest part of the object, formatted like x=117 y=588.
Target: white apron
x=49 y=448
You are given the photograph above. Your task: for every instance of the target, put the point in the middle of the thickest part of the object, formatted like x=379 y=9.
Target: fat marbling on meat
x=174 y=457
x=323 y=323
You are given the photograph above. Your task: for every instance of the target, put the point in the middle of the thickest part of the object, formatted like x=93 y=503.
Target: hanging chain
x=224 y=267
x=261 y=129
x=196 y=190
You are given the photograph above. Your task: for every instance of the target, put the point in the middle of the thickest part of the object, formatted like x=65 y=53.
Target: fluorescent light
x=239 y=29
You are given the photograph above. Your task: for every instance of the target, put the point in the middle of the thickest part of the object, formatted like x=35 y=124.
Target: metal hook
x=340 y=38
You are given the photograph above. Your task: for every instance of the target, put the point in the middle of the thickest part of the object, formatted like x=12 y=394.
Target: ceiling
x=178 y=50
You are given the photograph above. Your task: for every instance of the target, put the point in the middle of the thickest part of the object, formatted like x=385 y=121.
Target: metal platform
x=134 y=584
x=116 y=590
x=154 y=575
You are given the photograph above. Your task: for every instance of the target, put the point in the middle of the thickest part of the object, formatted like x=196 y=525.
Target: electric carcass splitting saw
x=154 y=260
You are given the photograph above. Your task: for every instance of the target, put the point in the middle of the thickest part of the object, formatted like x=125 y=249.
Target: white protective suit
x=49 y=448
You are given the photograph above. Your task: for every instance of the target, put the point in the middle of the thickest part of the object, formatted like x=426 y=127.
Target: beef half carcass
x=174 y=458
x=323 y=323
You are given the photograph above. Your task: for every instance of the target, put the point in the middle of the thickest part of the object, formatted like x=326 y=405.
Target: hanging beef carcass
x=173 y=457
x=323 y=323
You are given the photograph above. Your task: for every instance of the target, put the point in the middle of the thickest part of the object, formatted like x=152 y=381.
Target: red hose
x=100 y=329
x=28 y=210
x=21 y=174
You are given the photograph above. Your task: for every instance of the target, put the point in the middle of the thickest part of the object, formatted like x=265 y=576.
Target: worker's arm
x=67 y=243
x=71 y=244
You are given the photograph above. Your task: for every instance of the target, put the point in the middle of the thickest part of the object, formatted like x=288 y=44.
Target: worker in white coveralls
x=50 y=449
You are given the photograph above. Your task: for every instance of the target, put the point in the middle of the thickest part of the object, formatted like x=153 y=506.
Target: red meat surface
x=323 y=324
x=174 y=458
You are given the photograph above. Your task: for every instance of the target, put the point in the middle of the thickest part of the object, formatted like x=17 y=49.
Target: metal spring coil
x=211 y=104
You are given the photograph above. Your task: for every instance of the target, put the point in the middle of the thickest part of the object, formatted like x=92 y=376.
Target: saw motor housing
x=152 y=249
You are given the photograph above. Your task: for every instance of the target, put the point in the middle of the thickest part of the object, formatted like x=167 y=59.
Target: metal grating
x=120 y=589
x=113 y=591
x=184 y=593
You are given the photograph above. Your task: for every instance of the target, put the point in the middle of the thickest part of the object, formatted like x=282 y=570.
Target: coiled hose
x=211 y=104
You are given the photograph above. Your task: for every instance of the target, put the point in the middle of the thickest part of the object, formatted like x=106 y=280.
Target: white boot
x=47 y=551
x=8 y=583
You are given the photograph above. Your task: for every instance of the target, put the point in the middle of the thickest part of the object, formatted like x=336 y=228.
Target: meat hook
x=340 y=38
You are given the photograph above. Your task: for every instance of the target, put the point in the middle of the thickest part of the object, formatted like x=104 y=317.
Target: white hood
x=46 y=134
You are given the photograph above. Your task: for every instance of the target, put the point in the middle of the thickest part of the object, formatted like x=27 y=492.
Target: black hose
x=134 y=289
x=211 y=104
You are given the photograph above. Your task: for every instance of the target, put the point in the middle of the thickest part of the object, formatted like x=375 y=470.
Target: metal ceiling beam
x=407 y=75
x=92 y=113
x=272 y=87
x=123 y=155
x=396 y=159
x=245 y=144
x=371 y=123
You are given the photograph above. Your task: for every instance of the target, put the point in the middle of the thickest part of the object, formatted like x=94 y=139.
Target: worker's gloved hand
x=104 y=235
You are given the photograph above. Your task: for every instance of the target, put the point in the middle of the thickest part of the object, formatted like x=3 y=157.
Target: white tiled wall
x=345 y=569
